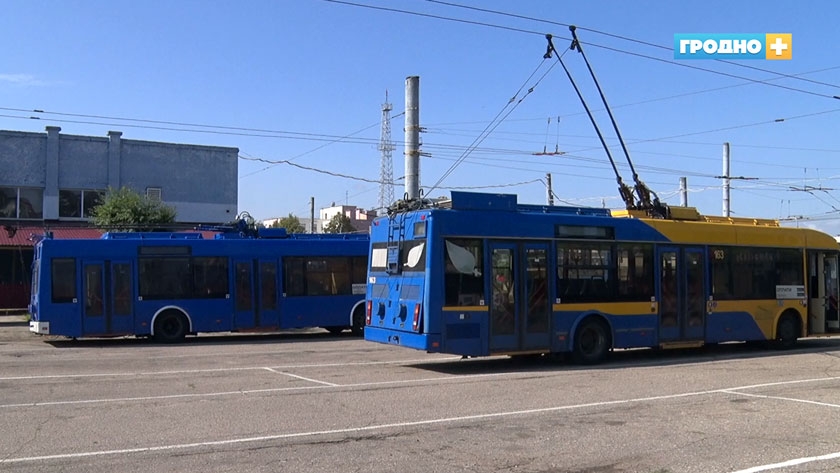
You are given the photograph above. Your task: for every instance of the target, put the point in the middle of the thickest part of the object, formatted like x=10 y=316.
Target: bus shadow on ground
x=629 y=358
x=223 y=338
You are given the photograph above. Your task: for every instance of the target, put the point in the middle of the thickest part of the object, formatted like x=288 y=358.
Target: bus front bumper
x=42 y=328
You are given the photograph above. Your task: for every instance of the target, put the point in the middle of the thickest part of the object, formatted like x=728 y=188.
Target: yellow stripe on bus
x=612 y=308
x=465 y=308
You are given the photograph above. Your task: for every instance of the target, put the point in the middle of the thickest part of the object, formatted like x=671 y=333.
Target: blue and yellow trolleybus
x=481 y=274
x=168 y=285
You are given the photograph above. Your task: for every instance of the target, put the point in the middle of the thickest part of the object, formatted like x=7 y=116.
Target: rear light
x=367 y=313
x=415 y=323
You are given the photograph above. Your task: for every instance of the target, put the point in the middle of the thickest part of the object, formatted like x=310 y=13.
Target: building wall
x=201 y=182
x=360 y=219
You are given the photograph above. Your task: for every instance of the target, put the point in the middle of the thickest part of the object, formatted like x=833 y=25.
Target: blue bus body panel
x=728 y=326
x=462 y=333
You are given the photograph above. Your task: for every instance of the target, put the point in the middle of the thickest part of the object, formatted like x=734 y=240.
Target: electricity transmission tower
x=386 y=167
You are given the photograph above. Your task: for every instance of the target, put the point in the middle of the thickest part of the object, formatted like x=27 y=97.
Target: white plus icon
x=778 y=46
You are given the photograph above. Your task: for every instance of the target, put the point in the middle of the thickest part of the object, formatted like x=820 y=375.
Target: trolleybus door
x=536 y=302
x=107 y=298
x=832 y=293
x=681 y=293
x=269 y=304
x=245 y=311
x=519 y=299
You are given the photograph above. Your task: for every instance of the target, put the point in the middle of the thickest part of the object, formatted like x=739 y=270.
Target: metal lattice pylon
x=386 y=168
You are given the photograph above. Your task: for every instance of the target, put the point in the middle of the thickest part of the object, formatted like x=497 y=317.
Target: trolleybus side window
x=753 y=273
x=323 y=275
x=359 y=270
x=63 y=279
x=463 y=276
x=635 y=272
x=211 y=274
x=164 y=278
x=583 y=272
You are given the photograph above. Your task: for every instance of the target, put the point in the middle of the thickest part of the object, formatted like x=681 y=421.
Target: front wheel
x=170 y=327
x=787 y=331
x=592 y=342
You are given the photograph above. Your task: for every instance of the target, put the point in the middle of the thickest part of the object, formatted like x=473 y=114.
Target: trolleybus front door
x=681 y=293
x=107 y=298
x=519 y=299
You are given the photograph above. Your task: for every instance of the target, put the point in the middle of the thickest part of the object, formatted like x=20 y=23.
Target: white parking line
x=252 y=391
x=350 y=430
x=804 y=401
x=789 y=463
x=301 y=377
x=66 y=456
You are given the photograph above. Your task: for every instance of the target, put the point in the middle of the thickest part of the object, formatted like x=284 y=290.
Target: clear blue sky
x=310 y=71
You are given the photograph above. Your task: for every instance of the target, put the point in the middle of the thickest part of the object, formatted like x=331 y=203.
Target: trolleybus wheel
x=358 y=327
x=170 y=327
x=592 y=342
x=787 y=331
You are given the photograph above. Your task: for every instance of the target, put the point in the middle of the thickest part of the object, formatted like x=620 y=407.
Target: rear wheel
x=170 y=327
x=358 y=327
x=592 y=342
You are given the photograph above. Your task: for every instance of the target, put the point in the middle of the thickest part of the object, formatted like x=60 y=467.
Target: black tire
x=787 y=331
x=358 y=327
x=334 y=330
x=170 y=327
x=592 y=342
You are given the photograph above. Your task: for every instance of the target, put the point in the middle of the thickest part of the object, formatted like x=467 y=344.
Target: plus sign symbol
x=778 y=46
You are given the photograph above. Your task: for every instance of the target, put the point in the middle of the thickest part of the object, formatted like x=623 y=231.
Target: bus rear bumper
x=42 y=328
x=418 y=341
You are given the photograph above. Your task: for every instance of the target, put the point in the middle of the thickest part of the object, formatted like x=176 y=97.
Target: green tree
x=340 y=223
x=291 y=224
x=126 y=210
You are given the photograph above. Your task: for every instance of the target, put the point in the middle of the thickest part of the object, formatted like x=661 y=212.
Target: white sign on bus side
x=790 y=292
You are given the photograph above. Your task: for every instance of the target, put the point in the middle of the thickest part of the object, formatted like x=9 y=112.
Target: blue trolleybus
x=168 y=285
x=481 y=274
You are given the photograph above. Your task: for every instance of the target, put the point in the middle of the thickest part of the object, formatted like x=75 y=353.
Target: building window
x=153 y=194
x=21 y=203
x=78 y=203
